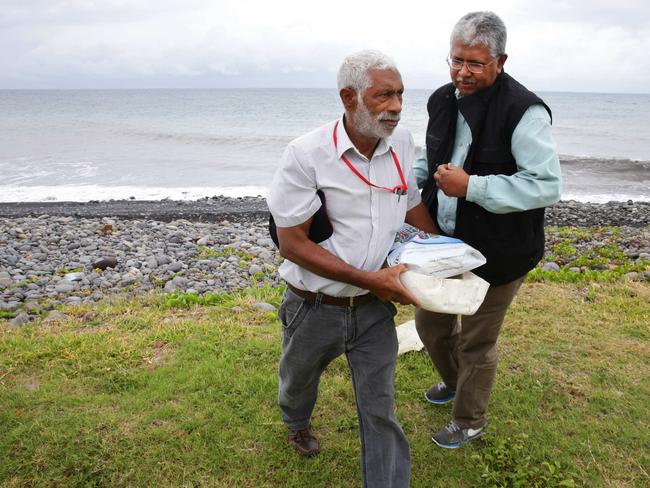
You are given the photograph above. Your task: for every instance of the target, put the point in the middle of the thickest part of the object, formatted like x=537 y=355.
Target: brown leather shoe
x=304 y=442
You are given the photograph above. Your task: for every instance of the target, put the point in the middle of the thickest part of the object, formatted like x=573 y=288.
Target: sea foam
x=86 y=193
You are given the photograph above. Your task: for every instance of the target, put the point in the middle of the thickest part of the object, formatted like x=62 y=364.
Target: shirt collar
x=345 y=144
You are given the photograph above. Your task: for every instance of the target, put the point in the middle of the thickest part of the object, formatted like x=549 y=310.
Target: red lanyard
x=398 y=190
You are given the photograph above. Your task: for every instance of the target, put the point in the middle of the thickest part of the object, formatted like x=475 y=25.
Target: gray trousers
x=313 y=336
x=465 y=353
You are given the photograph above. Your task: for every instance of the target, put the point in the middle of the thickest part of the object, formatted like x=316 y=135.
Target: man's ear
x=501 y=61
x=349 y=99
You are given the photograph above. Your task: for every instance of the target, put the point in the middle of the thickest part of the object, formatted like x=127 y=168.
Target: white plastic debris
x=462 y=295
x=408 y=338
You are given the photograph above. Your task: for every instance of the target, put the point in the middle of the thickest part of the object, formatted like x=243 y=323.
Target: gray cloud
x=631 y=15
x=570 y=45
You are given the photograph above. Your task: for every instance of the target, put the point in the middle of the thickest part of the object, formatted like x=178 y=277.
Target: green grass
x=152 y=392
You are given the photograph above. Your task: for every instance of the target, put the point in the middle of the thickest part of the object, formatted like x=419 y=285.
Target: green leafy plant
x=565 y=275
x=207 y=252
x=6 y=314
x=184 y=300
x=64 y=270
x=211 y=253
x=596 y=251
x=509 y=464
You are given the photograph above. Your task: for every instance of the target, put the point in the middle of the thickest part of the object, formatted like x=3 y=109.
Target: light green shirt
x=536 y=183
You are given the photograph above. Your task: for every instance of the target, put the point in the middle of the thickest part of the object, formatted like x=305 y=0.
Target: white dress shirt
x=365 y=219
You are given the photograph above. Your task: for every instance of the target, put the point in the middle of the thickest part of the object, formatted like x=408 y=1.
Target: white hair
x=353 y=72
x=481 y=28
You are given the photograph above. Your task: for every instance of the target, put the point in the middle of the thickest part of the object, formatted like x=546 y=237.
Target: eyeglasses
x=472 y=66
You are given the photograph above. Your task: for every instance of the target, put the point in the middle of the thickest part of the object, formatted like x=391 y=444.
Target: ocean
x=82 y=145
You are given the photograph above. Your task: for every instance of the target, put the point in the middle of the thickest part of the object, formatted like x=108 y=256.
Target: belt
x=329 y=300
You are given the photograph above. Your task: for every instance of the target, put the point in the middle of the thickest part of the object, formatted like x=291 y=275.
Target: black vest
x=512 y=243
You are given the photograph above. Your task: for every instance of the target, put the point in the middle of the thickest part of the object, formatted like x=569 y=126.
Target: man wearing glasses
x=489 y=168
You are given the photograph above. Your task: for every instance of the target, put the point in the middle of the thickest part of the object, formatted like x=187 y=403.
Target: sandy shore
x=247 y=209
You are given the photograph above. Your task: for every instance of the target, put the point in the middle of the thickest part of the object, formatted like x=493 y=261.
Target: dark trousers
x=313 y=336
x=465 y=352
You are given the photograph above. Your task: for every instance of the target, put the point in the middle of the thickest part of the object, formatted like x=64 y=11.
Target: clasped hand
x=452 y=180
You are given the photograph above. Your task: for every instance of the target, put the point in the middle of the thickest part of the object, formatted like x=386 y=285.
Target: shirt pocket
x=400 y=202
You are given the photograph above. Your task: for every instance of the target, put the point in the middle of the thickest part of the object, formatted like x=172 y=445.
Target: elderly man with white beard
x=338 y=297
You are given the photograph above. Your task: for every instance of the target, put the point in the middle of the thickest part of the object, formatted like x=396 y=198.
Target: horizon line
x=276 y=88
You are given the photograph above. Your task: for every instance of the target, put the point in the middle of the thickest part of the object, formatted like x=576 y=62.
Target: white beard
x=371 y=126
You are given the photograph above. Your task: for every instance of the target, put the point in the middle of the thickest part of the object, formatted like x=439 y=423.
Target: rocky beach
x=57 y=253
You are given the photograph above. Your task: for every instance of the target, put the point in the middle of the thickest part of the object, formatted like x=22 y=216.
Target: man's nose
x=395 y=104
x=464 y=71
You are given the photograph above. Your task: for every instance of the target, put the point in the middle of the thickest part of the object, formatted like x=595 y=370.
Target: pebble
x=175 y=267
x=31 y=307
x=19 y=320
x=162 y=259
x=73 y=276
x=64 y=288
x=254 y=269
x=175 y=284
x=126 y=280
x=551 y=266
x=265 y=307
x=203 y=241
x=138 y=255
x=55 y=316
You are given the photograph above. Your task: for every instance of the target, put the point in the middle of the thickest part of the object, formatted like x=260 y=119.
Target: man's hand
x=296 y=246
x=452 y=180
x=386 y=284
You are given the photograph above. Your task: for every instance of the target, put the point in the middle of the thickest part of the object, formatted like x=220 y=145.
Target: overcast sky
x=596 y=45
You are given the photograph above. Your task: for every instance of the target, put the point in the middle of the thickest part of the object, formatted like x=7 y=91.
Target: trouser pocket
x=390 y=308
x=292 y=312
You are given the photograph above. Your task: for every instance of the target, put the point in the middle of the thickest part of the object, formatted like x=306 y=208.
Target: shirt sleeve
x=292 y=198
x=421 y=167
x=413 y=194
x=537 y=182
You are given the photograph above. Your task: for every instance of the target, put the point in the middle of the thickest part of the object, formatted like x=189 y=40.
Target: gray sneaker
x=452 y=436
x=439 y=394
